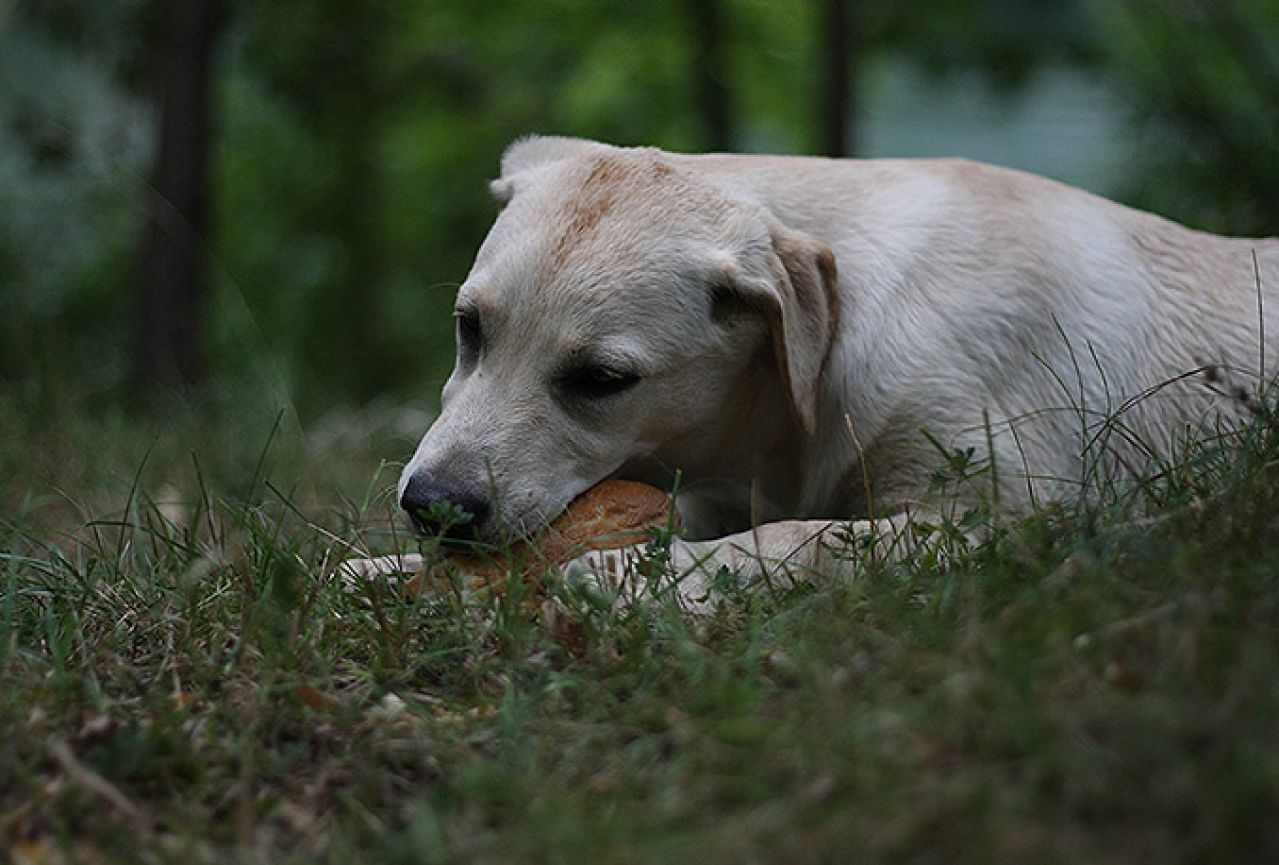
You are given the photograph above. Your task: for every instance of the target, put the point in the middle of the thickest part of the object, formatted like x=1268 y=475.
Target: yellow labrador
x=796 y=336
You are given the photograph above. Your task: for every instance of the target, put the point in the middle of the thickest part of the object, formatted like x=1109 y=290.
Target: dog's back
x=1092 y=337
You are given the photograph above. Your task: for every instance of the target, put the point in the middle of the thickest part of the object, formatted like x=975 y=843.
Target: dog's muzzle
x=438 y=509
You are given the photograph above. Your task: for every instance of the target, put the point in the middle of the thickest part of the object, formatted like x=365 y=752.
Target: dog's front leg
x=698 y=573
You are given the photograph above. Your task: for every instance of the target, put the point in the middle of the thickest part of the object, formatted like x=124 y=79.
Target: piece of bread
x=607 y=516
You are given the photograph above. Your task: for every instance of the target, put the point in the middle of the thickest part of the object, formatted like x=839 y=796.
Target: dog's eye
x=469 y=334
x=597 y=382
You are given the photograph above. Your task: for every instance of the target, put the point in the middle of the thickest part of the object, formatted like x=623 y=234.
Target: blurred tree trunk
x=710 y=73
x=343 y=347
x=172 y=279
x=838 y=133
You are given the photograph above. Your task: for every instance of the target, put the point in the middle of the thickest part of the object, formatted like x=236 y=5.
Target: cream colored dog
x=796 y=336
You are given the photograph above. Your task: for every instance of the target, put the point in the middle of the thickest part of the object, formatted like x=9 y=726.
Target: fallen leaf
x=313 y=698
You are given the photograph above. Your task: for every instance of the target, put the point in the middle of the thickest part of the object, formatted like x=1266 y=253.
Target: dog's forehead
x=606 y=197
x=621 y=222
x=618 y=200
x=582 y=300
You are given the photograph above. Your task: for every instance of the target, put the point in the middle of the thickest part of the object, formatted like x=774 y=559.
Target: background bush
x=353 y=140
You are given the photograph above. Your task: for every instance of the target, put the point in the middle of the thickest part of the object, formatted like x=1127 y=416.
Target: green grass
x=182 y=681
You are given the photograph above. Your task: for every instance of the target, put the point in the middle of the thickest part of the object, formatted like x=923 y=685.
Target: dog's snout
x=436 y=508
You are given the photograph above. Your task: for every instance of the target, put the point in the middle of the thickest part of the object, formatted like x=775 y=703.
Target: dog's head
x=626 y=309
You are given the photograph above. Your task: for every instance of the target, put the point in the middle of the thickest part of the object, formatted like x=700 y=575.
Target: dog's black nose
x=439 y=509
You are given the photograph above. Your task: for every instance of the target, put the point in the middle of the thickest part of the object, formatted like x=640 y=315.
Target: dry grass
x=181 y=680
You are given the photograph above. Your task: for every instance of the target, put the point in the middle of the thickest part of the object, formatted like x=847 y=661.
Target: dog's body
x=780 y=330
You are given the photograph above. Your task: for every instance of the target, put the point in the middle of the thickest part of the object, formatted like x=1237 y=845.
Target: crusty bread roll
x=607 y=516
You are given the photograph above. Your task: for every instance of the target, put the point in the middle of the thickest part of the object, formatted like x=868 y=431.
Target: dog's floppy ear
x=531 y=152
x=801 y=303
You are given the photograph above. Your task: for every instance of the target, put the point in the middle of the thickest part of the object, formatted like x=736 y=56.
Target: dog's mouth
x=460 y=531
x=456 y=531
x=455 y=527
x=458 y=522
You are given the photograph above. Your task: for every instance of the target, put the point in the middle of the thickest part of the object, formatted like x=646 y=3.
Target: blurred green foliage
x=356 y=138
x=1205 y=81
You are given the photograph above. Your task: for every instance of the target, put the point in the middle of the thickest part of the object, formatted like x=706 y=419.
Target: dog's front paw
x=397 y=570
x=609 y=576
x=627 y=575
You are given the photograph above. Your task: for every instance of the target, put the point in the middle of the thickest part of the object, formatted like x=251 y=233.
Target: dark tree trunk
x=838 y=48
x=344 y=343
x=710 y=73
x=172 y=277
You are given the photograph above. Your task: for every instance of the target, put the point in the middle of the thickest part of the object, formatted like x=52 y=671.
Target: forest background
x=276 y=200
